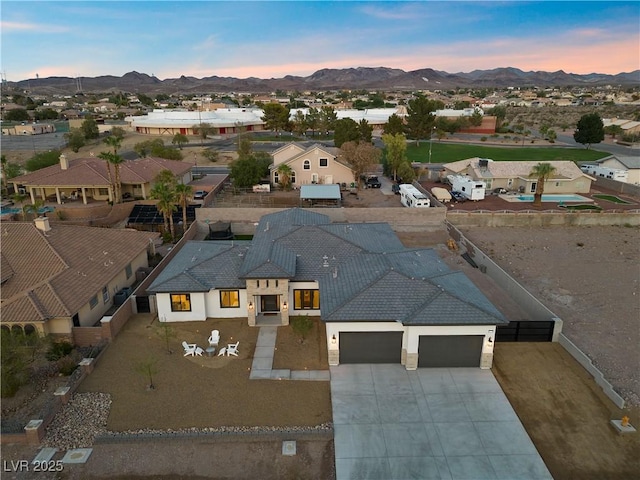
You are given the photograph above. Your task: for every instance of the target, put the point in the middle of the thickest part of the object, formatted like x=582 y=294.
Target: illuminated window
x=229 y=298
x=306 y=299
x=180 y=302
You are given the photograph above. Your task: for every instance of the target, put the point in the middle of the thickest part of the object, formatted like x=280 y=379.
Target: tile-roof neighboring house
x=91 y=173
x=317 y=164
x=567 y=177
x=53 y=273
x=355 y=277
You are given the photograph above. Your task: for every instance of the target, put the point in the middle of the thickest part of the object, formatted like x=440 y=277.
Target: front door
x=269 y=303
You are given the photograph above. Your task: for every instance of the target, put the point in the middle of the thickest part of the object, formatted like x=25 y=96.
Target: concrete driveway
x=439 y=423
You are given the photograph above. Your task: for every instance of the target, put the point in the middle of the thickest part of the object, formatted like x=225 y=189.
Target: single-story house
x=29 y=129
x=315 y=165
x=621 y=162
x=85 y=178
x=515 y=176
x=58 y=277
x=381 y=302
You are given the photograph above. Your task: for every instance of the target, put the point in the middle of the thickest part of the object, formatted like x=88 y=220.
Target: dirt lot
x=589 y=277
x=566 y=414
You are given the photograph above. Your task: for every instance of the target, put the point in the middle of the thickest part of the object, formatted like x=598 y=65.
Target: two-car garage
x=433 y=350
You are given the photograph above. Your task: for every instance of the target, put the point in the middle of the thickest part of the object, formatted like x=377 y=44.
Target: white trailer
x=467 y=186
x=610 y=173
x=411 y=197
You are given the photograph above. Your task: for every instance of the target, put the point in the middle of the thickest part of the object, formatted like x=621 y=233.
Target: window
x=276 y=178
x=128 y=271
x=324 y=162
x=306 y=299
x=229 y=298
x=105 y=294
x=306 y=165
x=180 y=302
x=103 y=192
x=93 y=302
x=293 y=177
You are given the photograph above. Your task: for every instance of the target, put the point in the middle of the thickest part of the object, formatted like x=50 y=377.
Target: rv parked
x=610 y=173
x=468 y=187
x=410 y=196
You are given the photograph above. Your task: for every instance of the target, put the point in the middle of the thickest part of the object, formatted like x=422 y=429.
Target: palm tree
x=117 y=160
x=106 y=156
x=284 y=175
x=541 y=171
x=166 y=196
x=184 y=193
x=32 y=208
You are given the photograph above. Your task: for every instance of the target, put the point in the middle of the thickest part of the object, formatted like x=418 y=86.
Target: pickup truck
x=372 y=182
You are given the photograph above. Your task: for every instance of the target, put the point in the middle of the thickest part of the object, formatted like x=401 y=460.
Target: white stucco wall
x=198 y=308
x=214 y=310
x=302 y=286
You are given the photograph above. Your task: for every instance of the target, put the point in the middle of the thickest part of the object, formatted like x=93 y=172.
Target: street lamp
x=431 y=142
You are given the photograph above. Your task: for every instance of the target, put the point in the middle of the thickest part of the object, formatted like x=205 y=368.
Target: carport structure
x=320 y=195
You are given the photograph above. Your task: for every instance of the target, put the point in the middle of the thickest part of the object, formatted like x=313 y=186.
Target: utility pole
x=431 y=142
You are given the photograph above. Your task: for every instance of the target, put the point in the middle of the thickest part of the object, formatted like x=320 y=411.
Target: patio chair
x=214 y=338
x=232 y=349
x=222 y=352
x=199 y=351
x=189 y=348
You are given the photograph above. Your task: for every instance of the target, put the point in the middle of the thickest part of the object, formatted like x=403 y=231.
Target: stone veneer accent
x=411 y=363
x=486 y=360
x=334 y=357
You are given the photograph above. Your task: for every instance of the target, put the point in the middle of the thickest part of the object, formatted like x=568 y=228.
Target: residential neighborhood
x=359 y=284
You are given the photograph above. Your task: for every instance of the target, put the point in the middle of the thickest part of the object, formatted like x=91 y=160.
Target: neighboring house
x=314 y=165
x=619 y=162
x=568 y=177
x=381 y=302
x=629 y=127
x=56 y=278
x=88 y=178
x=29 y=129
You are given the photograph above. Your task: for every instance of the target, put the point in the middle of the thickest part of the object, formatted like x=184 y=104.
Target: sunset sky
x=268 y=39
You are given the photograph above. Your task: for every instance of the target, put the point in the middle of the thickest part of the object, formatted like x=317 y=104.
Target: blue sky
x=268 y=39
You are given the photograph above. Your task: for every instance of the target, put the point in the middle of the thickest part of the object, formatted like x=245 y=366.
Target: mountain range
x=379 y=78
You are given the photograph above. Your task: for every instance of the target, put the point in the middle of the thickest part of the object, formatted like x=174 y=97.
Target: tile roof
x=93 y=172
x=57 y=272
x=363 y=270
x=513 y=169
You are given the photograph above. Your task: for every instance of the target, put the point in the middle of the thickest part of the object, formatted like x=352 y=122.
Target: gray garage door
x=450 y=351
x=370 y=347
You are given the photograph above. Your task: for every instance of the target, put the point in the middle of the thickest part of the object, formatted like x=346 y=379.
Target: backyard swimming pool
x=547 y=198
x=14 y=210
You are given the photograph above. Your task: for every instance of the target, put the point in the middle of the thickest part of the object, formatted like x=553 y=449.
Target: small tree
x=360 y=156
x=89 y=128
x=301 y=325
x=590 y=129
x=75 y=139
x=284 y=176
x=396 y=151
x=166 y=332
x=180 y=140
x=394 y=125
x=211 y=155
x=147 y=367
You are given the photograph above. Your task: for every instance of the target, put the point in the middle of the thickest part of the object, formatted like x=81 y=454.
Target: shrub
x=67 y=365
x=302 y=325
x=61 y=214
x=483 y=139
x=58 y=350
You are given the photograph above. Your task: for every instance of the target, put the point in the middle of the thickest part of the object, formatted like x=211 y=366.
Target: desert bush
x=301 y=325
x=67 y=365
x=58 y=350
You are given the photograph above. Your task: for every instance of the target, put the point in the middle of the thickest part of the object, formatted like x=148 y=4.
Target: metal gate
x=142 y=304
x=525 y=331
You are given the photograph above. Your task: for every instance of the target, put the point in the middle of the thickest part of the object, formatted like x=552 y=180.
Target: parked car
x=395 y=188
x=458 y=197
x=199 y=194
x=373 y=182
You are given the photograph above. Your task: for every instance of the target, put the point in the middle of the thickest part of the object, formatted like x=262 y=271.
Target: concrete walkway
x=432 y=423
x=262 y=366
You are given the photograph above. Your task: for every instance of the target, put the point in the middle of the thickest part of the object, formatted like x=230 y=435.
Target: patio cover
x=320 y=192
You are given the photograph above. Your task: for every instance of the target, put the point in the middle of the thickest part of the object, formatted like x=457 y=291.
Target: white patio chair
x=199 y=351
x=189 y=349
x=222 y=351
x=232 y=349
x=214 y=338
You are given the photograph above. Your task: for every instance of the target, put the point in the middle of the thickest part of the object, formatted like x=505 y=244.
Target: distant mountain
x=380 y=78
